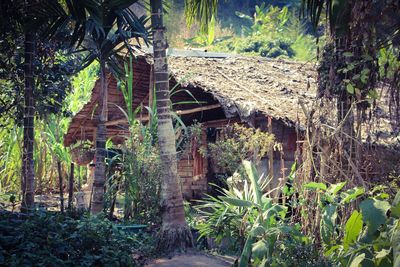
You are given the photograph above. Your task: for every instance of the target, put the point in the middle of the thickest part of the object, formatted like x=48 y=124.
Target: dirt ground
x=192 y=260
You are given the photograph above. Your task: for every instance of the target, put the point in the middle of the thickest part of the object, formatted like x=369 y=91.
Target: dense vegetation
x=267 y=30
x=53 y=239
x=322 y=213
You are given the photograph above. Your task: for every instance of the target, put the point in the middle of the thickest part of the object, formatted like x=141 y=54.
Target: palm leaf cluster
x=203 y=12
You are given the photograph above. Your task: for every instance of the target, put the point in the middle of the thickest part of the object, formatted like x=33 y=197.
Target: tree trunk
x=28 y=175
x=97 y=202
x=71 y=186
x=174 y=233
x=60 y=181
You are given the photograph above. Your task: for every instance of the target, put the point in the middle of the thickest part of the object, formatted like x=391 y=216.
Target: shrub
x=53 y=239
x=253 y=223
x=239 y=143
x=369 y=236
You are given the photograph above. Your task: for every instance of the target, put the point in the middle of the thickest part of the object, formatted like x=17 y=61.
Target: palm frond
x=202 y=12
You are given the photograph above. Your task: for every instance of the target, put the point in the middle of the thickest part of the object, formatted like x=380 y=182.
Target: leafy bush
x=141 y=176
x=239 y=143
x=260 y=45
x=369 y=236
x=53 y=239
x=136 y=168
x=254 y=223
x=275 y=33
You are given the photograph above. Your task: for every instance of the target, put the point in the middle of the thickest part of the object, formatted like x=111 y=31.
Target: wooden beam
x=178 y=112
x=194 y=110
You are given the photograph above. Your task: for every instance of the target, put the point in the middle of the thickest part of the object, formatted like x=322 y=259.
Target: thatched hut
x=262 y=93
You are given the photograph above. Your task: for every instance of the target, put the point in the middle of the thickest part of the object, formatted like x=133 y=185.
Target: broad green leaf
x=328 y=222
x=357 y=260
x=331 y=250
x=374 y=213
x=383 y=253
x=352 y=229
x=352 y=194
x=244 y=16
x=293 y=169
x=382 y=196
x=257 y=230
x=314 y=185
x=275 y=210
x=335 y=188
x=246 y=252
x=263 y=263
x=347 y=54
x=252 y=174
x=350 y=88
x=237 y=202
x=260 y=249
x=364 y=75
x=395 y=242
x=395 y=210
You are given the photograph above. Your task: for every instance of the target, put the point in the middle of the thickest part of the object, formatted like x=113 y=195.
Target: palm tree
x=102 y=29
x=28 y=173
x=30 y=20
x=99 y=28
x=174 y=233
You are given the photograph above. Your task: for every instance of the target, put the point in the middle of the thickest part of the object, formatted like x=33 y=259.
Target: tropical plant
x=251 y=221
x=102 y=29
x=174 y=233
x=276 y=32
x=327 y=203
x=139 y=159
x=367 y=236
x=49 y=239
x=30 y=59
x=10 y=164
x=55 y=126
x=239 y=143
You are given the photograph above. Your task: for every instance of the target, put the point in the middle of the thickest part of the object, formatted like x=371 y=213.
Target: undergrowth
x=53 y=239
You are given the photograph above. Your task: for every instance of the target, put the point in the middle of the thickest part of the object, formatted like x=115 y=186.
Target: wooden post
x=270 y=152
x=71 y=186
x=60 y=181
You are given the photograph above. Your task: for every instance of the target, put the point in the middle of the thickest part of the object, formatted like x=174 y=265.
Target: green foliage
x=274 y=33
x=368 y=236
x=51 y=67
x=82 y=86
x=254 y=223
x=138 y=173
x=266 y=48
x=52 y=239
x=239 y=143
x=11 y=153
x=141 y=178
x=231 y=215
x=203 y=11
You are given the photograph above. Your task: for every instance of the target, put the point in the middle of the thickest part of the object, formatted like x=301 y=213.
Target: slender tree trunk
x=60 y=182
x=28 y=175
x=97 y=202
x=71 y=186
x=174 y=233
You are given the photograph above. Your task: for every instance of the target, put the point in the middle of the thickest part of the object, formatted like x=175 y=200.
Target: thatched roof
x=243 y=86
x=249 y=84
